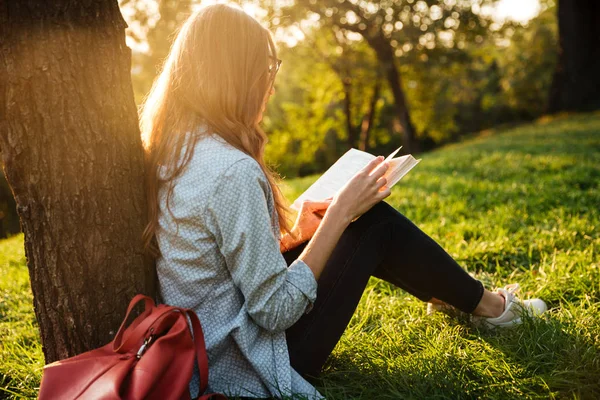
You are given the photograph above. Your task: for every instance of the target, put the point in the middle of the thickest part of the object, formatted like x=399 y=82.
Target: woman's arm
x=288 y=242
x=309 y=218
x=361 y=193
x=275 y=295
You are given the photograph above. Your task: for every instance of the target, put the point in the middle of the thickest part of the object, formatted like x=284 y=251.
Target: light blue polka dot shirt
x=223 y=261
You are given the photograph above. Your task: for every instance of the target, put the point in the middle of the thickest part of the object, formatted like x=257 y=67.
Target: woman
x=270 y=319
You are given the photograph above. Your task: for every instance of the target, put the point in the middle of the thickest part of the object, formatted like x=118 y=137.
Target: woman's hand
x=308 y=220
x=359 y=194
x=363 y=191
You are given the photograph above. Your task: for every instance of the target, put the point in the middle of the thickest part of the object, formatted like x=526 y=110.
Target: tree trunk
x=576 y=82
x=386 y=58
x=73 y=157
x=352 y=133
x=369 y=118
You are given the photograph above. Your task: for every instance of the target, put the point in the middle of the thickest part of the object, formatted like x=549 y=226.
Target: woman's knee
x=384 y=212
x=402 y=226
x=380 y=212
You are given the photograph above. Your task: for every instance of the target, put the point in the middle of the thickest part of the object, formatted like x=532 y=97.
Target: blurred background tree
x=576 y=83
x=154 y=26
x=418 y=73
x=528 y=65
x=400 y=32
x=379 y=74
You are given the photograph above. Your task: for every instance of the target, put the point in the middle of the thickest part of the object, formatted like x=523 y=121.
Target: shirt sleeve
x=276 y=295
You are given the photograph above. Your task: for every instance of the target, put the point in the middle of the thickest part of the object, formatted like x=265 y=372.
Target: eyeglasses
x=274 y=68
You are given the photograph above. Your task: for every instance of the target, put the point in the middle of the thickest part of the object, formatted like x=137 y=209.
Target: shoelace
x=511 y=291
x=513 y=288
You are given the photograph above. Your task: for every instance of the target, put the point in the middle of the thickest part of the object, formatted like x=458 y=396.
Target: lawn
x=514 y=205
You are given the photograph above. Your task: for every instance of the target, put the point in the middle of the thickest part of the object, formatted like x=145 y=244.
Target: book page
x=398 y=168
x=391 y=156
x=335 y=177
x=346 y=167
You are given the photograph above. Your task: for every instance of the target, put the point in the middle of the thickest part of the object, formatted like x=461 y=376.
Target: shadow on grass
x=560 y=355
x=540 y=359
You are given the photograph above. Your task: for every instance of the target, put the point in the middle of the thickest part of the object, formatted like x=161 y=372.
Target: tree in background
x=461 y=71
x=392 y=28
x=305 y=119
x=359 y=73
x=155 y=29
x=73 y=157
x=576 y=83
x=527 y=67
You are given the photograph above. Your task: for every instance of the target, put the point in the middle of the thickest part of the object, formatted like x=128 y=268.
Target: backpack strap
x=128 y=337
x=200 y=349
x=148 y=306
x=202 y=358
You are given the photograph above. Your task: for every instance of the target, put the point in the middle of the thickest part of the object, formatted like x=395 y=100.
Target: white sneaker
x=514 y=309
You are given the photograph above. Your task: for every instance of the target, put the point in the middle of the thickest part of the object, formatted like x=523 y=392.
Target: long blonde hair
x=217 y=74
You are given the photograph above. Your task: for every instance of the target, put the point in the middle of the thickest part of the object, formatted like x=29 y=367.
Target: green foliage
x=517 y=205
x=303 y=117
x=154 y=25
x=528 y=65
x=461 y=71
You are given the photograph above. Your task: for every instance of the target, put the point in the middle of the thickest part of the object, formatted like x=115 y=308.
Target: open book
x=346 y=167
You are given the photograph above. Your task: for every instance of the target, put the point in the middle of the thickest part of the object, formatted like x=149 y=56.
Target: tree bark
x=385 y=55
x=576 y=81
x=73 y=157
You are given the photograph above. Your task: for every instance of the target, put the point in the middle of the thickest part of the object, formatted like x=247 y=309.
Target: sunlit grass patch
x=520 y=205
x=517 y=206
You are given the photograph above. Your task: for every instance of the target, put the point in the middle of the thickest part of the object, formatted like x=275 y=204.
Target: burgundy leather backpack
x=153 y=358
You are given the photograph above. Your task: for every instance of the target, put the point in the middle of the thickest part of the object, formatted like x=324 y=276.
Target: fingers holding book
x=376 y=167
x=381 y=184
x=379 y=171
x=364 y=189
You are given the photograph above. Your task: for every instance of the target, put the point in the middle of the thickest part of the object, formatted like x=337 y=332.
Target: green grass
x=21 y=357
x=519 y=205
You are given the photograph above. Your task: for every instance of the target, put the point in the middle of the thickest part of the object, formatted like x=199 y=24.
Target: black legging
x=385 y=244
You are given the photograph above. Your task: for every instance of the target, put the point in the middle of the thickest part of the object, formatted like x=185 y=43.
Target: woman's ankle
x=433 y=300
x=491 y=305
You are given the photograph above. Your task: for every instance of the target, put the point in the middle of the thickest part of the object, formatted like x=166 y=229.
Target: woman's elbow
x=275 y=317
x=271 y=321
